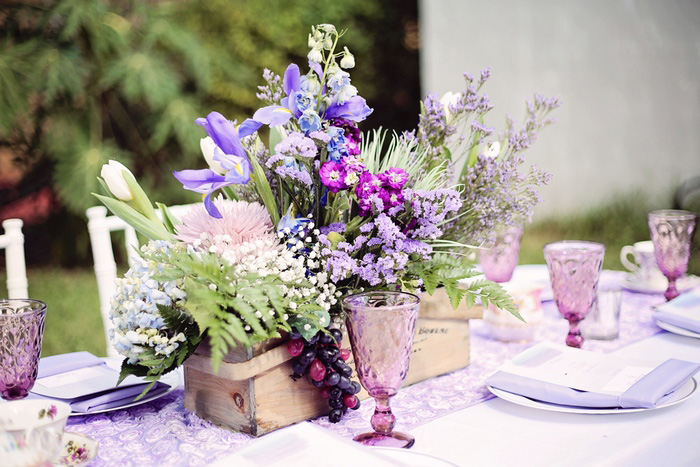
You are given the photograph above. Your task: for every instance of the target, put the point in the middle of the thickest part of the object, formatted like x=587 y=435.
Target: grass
x=615 y=225
x=73 y=320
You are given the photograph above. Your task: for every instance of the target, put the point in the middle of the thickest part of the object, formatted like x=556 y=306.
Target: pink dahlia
x=242 y=224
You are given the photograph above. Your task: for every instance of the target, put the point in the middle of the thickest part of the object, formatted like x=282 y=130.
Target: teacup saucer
x=77 y=450
x=685 y=283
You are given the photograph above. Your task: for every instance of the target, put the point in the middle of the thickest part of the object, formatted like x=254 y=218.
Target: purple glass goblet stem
x=574 y=338
x=383 y=420
x=21 y=333
x=671 y=291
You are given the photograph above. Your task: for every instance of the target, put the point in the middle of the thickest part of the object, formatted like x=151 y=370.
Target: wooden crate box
x=253 y=393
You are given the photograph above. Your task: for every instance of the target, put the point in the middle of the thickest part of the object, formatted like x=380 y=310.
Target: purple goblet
x=672 y=232
x=21 y=332
x=381 y=326
x=498 y=262
x=574 y=269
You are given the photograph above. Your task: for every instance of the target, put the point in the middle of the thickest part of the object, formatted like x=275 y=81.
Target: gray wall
x=627 y=71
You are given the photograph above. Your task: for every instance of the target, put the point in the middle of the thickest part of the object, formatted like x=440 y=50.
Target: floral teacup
x=31 y=430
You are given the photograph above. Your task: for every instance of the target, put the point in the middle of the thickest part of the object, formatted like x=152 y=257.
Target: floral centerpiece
x=286 y=229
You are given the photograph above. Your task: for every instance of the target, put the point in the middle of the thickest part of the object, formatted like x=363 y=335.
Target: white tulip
x=209 y=148
x=113 y=175
x=494 y=150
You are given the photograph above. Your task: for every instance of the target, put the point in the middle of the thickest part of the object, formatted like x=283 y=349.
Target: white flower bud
x=113 y=175
x=348 y=60
x=315 y=55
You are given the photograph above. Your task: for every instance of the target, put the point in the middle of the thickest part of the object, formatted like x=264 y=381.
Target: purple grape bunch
x=324 y=362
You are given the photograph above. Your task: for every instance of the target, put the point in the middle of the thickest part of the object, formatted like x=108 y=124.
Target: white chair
x=100 y=227
x=13 y=243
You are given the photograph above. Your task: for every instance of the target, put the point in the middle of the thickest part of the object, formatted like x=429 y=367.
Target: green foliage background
x=85 y=81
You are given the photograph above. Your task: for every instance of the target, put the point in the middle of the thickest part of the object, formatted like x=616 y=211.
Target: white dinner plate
x=676 y=330
x=683 y=284
x=409 y=458
x=679 y=396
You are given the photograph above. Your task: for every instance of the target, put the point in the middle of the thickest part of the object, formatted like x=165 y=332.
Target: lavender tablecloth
x=163 y=433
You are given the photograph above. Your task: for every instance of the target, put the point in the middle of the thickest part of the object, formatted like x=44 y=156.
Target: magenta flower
x=391 y=198
x=394 y=178
x=333 y=176
x=368 y=185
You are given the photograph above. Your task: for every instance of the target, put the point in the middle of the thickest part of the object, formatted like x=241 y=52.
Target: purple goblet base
x=394 y=439
x=671 y=291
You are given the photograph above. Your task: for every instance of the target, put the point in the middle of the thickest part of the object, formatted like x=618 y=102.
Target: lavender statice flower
x=433 y=129
x=334 y=227
x=430 y=208
x=379 y=255
x=497 y=195
x=297 y=145
x=537 y=110
x=295 y=173
x=272 y=92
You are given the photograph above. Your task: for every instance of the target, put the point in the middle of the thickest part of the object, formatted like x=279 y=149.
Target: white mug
x=644 y=267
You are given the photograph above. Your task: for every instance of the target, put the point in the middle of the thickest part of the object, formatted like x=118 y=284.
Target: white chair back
x=100 y=227
x=13 y=243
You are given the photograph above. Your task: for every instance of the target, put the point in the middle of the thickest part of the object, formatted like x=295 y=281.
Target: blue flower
x=309 y=121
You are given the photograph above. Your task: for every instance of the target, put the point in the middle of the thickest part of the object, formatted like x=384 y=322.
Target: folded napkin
x=87 y=384
x=49 y=366
x=652 y=390
x=578 y=378
x=683 y=311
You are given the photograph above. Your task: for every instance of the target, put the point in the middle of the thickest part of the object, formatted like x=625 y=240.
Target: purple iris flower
x=354 y=109
x=274 y=115
x=232 y=158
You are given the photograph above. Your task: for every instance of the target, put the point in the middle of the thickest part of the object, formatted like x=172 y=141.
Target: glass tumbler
x=21 y=333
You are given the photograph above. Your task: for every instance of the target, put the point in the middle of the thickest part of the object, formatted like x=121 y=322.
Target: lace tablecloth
x=163 y=433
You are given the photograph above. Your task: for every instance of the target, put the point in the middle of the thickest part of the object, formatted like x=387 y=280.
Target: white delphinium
x=138 y=325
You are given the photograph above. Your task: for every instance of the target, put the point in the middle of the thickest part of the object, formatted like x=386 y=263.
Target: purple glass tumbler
x=381 y=326
x=672 y=232
x=499 y=261
x=21 y=332
x=574 y=270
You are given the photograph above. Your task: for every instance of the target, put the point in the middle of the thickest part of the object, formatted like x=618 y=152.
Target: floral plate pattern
x=77 y=450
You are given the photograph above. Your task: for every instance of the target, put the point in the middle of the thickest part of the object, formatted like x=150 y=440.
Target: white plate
x=683 y=284
x=77 y=450
x=677 y=330
x=409 y=458
x=680 y=395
